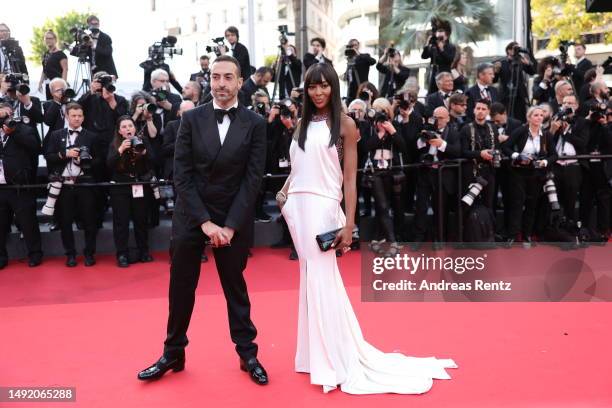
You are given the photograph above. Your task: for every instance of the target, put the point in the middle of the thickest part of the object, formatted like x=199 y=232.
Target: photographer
x=396 y=74
x=54 y=63
x=358 y=68
x=290 y=71
x=156 y=60
x=544 y=83
x=600 y=95
x=12 y=60
x=357 y=110
x=444 y=90
x=440 y=50
x=146 y=85
x=192 y=91
x=169 y=138
x=458 y=105
x=68 y=155
x=532 y=151
x=563 y=88
x=597 y=188
x=583 y=64
x=512 y=74
x=101 y=49
x=203 y=77
x=590 y=77
x=483 y=88
x=55 y=109
x=167 y=102
x=18 y=145
x=571 y=135
x=438 y=142
x=478 y=143
x=316 y=54
x=130 y=159
x=259 y=80
x=386 y=148
x=368 y=93
x=237 y=50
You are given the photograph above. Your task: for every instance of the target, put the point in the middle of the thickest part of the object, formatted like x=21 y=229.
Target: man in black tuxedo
x=445 y=145
x=259 y=80
x=290 y=74
x=219 y=162
x=63 y=156
x=483 y=88
x=316 y=56
x=443 y=92
x=18 y=143
x=237 y=50
x=101 y=53
x=358 y=69
x=583 y=64
x=441 y=51
x=9 y=45
x=55 y=109
x=169 y=140
x=203 y=77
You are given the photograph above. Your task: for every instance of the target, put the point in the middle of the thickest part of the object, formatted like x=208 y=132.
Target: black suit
x=578 y=72
x=311 y=59
x=167 y=150
x=473 y=94
x=358 y=74
x=435 y=100
x=440 y=61
x=103 y=58
x=16 y=152
x=393 y=81
x=241 y=53
x=73 y=200
x=219 y=184
x=428 y=187
x=249 y=87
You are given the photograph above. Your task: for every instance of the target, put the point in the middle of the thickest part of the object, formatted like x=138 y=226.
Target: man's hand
x=389 y=128
x=502 y=138
x=72 y=153
x=165 y=105
x=275 y=110
x=229 y=234
x=554 y=126
x=486 y=155
x=436 y=142
x=218 y=236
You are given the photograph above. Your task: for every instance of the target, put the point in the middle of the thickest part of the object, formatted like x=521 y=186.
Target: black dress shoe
x=90 y=260
x=35 y=261
x=122 y=261
x=71 y=261
x=256 y=371
x=160 y=367
x=146 y=257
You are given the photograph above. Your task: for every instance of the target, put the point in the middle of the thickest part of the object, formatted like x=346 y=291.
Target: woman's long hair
x=118 y=139
x=315 y=75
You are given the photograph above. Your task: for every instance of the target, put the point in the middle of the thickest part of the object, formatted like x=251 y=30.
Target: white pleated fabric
x=330 y=345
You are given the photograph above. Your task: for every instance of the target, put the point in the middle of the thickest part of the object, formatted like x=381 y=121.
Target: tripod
x=282 y=62
x=352 y=76
x=83 y=72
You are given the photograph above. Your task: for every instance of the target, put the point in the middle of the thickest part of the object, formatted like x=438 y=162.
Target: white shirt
x=483 y=93
x=72 y=169
x=224 y=126
x=433 y=150
x=2 y=178
x=565 y=148
x=532 y=145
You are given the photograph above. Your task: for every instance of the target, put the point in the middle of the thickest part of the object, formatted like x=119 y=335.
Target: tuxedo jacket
x=311 y=59
x=433 y=101
x=215 y=182
x=167 y=150
x=55 y=150
x=578 y=72
x=518 y=139
x=241 y=53
x=452 y=151
x=16 y=154
x=473 y=94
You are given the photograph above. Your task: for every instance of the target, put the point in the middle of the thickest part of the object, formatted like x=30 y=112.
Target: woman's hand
x=389 y=128
x=126 y=144
x=281 y=199
x=344 y=238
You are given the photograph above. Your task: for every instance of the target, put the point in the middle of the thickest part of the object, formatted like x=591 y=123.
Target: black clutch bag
x=326 y=239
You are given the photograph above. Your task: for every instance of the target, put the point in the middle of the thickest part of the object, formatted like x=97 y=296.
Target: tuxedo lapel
x=235 y=133
x=212 y=140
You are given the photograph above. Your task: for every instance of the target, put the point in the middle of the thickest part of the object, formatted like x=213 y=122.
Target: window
x=282 y=12
x=242 y=15
x=225 y=16
x=208 y=20
x=152 y=5
x=259 y=12
x=194 y=24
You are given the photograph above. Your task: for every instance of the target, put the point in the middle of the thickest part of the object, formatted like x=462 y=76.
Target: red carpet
x=94 y=328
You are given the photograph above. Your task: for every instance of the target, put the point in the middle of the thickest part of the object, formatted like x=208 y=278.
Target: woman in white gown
x=330 y=345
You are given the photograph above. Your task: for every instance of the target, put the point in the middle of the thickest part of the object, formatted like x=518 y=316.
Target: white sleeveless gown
x=330 y=345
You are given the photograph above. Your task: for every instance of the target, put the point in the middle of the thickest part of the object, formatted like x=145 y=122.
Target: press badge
x=137 y=191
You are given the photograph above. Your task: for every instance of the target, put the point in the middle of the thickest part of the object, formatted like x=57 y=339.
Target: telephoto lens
x=149 y=107
x=474 y=191
x=551 y=191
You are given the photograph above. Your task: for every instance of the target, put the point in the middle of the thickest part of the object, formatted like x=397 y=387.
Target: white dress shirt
x=224 y=126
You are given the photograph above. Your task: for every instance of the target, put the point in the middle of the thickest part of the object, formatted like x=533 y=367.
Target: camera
x=380 y=117
x=260 y=108
x=85 y=157
x=149 y=107
x=564 y=46
x=166 y=47
x=137 y=144
x=364 y=96
x=349 y=52
x=284 y=32
x=18 y=82
x=391 y=52
x=68 y=95
x=551 y=191
x=496 y=158
x=160 y=95
x=107 y=83
x=11 y=122
x=598 y=111
x=284 y=106
x=428 y=135
x=403 y=103
x=82 y=42
x=219 y=41
x=564 y=115
x=474 y=191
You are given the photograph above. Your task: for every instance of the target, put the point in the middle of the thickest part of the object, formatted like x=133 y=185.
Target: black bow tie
x=74 y=132
x=445 y=95
x=220 y=113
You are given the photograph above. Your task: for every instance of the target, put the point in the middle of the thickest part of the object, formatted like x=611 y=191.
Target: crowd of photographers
x=475 y=144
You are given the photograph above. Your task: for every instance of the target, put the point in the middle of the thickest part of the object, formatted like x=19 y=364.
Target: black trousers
x=427 y=191
x=503 y=184
x=567 y=180
x=81 y=201
x=526 y=185
x=126 y=208
x=595 y=190
x=387 y=197
x=186 y=250
x=23 y=204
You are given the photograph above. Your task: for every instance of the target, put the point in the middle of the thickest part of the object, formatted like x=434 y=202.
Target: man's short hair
x=229 y=58
x=579 y=44
x=100 y=74
x=457 y=99
x=511 y=45
x=157 y=73
x=73 y=106
x=260 y=93
x=442 y=75
x=498 y=108
x=92 y=17
x=58 y=80
x=319 y=40
x=261 y=71
x=233 y=30
x=354 y=102
x=480 y=68
x=4 y=105
x=561 y=83
x=484 y=102
x=205 y=57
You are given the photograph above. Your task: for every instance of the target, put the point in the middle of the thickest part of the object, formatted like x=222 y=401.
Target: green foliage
x=567 y=20
x=61 y=26
x=471 y=20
